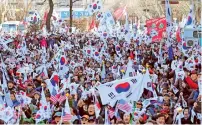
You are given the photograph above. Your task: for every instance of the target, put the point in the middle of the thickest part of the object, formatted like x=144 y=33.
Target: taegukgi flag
x=129 y=89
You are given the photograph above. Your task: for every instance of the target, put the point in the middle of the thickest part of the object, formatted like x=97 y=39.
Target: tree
x=51 y=6
x=71 y=16
x=70 y=11
x=4 y=9
x=48 y=20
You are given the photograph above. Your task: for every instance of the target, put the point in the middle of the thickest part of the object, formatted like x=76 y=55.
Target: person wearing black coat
x=187 y=117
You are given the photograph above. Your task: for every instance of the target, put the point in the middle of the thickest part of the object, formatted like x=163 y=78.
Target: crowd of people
x=44 y=78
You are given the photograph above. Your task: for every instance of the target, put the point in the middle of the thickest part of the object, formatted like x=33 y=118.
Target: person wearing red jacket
x=16 y=43
x=192 y=80
x=43 y=42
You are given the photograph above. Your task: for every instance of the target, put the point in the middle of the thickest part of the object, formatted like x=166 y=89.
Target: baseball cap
x=193 y=72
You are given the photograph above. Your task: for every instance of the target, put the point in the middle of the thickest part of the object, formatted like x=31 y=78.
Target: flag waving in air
x=92 y=25
x=124 y=106
x=52 y=84
x=54 y=79
x=66 y=115
x=44 y=111
x=191 y=16
x=119 y=12
x=62 y=60
x=127 y=34
x=148 y=83
x=96 y=105
x=178 y=35
x=94 y=7
x=128 y=88
x=99 y=16
x=129 y=71
x=109 y=19
x=168 y=18
x=103 y=72
x=63 y=68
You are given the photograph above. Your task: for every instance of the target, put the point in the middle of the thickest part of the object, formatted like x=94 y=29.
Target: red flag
x=92 y=25
x=131 y=55
x=45 y=16
x=158 y=24
x=44 y=19
x=178 y=37
x=119 y=12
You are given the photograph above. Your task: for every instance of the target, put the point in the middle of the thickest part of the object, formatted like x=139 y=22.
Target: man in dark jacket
x=187 y=118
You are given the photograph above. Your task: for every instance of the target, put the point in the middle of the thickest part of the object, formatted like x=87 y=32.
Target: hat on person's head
x=193 y=72
x=151 y=71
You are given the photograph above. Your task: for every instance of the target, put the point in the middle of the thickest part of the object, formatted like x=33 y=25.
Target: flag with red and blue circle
x=62 y=60
x=95 y=7
x=54 y=79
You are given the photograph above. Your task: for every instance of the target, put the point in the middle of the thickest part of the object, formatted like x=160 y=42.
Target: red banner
x=178 y=36
x=92 y=24
x=159 y=25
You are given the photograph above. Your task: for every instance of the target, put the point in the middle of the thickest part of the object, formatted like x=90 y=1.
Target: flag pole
x=61 y=116
x=18 y=120
x=133 y=109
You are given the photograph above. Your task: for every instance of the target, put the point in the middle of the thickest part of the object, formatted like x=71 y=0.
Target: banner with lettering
x=157 y=24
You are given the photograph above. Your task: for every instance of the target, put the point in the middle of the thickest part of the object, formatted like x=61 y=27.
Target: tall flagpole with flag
x=62 y=116
x=133 y=110
x=103 y=72
x=168 y=19
x=168 y=28
x=106 y=116
x=119 y=12
x=191 y=16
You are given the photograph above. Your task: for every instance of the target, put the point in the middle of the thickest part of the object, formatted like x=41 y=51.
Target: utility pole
x=70 y=10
